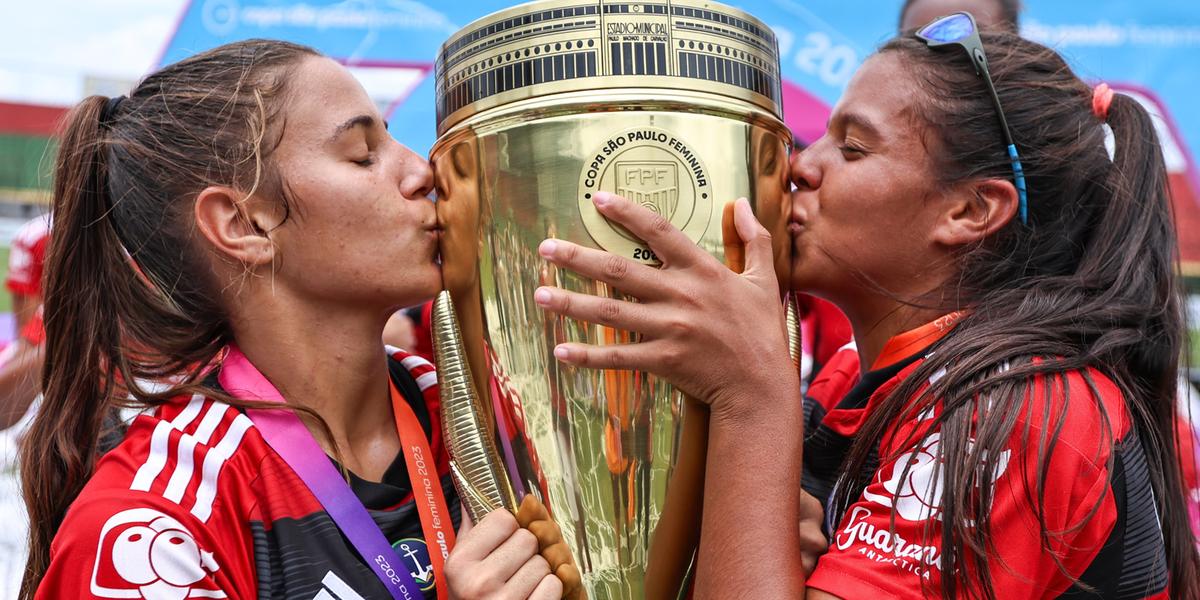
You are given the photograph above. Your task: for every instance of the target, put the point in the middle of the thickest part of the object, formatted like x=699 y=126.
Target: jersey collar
x=912 y=341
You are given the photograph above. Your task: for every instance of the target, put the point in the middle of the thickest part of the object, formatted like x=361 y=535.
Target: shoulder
x=1084 y=410
x=115 y=543
x=835 y=378
x=422 y=371
x=33 y=232
x=193 y=452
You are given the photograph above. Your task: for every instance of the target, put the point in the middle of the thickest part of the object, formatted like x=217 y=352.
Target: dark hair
x=130 y=296
x=1090 y=283
x=1010 y=14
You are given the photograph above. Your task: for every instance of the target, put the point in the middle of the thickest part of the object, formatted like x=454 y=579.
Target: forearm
x=19 y=383
x=750 y=541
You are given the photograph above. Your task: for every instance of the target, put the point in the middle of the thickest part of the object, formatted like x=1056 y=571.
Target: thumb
x=760 y=256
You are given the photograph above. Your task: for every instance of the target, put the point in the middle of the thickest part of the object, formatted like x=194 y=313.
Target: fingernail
x=602 y=199
x=547 y=247
x=542 y=296
x=560 y=352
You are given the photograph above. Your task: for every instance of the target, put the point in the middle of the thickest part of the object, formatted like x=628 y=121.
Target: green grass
x=5 y=298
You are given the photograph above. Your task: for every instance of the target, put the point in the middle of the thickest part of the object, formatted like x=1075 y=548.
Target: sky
x=48 y=46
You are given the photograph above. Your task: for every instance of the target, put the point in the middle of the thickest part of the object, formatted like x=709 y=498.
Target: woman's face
x=362 y=229
x=864 y=203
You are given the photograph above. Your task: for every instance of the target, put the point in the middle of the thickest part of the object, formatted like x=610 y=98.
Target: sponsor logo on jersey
x=911 y=487
x=143 y=553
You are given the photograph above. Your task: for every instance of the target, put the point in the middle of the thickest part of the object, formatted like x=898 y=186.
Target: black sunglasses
x=959 y=29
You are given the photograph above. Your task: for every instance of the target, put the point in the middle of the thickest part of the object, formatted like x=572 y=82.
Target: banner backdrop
x=1150 y=47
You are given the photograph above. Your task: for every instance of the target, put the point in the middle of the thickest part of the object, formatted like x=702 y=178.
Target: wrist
x=757 y=403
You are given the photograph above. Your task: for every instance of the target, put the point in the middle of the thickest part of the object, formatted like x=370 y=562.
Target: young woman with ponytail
x=230 y=241
x=1004 y=426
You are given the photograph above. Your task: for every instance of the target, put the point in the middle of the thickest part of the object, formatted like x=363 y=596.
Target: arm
x=19 y=381
x=720 y=337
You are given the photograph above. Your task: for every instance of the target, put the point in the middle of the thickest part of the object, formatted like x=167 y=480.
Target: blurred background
x=55 y=52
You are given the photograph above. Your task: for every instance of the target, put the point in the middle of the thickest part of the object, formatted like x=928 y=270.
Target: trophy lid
x=556 y=46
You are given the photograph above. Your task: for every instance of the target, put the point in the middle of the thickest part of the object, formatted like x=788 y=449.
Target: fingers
x=533 y=516
x=549 y=588
x=514 y=555
x=622 y=273
x=760 y=255
x=735 y=248
x=529 y=578
x=642 y=356
x=495 y=559
x=670 y=244
x=619 y=314
x=486 y=536
x=812 y=541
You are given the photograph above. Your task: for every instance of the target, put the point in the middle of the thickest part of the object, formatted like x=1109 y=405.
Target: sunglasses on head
x=959 y=30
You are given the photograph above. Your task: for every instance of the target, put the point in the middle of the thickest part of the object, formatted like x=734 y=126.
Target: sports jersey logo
x=415 y=556
x=916 y=495
x=143 y=553
x=333 y=588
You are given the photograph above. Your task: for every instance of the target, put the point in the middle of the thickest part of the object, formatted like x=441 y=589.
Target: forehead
x=323 y=95
x=883 y=91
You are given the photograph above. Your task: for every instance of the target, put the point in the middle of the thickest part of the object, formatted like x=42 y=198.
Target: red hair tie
x=1102 y=98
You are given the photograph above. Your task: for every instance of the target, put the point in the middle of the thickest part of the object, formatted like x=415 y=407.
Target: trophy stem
x=475 y=463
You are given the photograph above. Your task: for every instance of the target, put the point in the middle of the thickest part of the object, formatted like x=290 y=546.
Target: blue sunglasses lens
x=949 y=29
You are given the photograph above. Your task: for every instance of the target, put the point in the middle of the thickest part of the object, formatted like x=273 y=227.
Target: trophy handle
x=793 y=330
x=475 y=464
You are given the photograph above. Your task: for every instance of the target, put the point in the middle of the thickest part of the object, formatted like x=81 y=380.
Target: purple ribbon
x=289 y=438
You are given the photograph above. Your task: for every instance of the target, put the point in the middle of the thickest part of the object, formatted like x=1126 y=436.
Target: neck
x=327 y=359
x=874 y=323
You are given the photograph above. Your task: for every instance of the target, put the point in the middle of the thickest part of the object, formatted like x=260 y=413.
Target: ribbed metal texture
x=475 y=463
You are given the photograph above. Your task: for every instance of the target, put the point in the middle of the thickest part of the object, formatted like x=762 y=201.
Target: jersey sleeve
x=127 y=544
x=27 y=254
x=888 y=544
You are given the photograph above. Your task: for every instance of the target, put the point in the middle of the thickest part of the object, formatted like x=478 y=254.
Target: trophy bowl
x=674 y=105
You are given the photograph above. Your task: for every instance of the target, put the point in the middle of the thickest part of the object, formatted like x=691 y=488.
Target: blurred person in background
x=21 y=359
x=1000 y=14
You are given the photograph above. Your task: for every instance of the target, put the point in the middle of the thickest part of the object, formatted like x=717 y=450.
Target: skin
x=986 y=12
x=362 y=220
x=866 y=201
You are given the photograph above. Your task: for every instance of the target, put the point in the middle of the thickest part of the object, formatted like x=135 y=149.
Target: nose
x=804 y=170
x=416 y=176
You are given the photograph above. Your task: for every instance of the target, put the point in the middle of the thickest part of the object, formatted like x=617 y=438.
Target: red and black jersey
x=193 y=503
x=1118 y=550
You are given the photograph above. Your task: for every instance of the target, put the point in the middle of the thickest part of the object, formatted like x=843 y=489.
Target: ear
x=977 y=210
x=236 y=226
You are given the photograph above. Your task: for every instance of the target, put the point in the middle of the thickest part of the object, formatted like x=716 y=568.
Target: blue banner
x=1153 y=46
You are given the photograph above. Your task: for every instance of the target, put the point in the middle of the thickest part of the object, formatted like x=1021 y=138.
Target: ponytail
x=81 y=333
x=1140 y=212
x=130 y=295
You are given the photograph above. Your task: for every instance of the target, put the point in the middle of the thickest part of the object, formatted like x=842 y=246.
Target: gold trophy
x=674 y=104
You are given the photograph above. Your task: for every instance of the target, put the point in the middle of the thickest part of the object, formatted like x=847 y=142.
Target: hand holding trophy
x=542 y=108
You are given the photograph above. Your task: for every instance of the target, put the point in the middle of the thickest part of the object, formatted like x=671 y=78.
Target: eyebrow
x=366 y=121
x=858 y=121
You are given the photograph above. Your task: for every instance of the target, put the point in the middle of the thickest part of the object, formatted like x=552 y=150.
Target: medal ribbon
x=426 y=487
x=284 y=432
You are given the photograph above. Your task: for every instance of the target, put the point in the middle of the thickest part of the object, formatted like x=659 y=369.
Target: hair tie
x=1102 y=97
x=110 y=109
